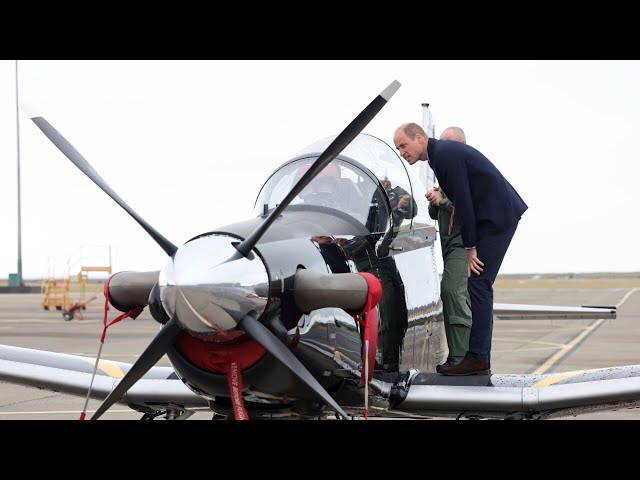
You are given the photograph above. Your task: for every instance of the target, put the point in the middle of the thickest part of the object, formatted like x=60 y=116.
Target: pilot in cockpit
x=320 y=191
x=329 y=189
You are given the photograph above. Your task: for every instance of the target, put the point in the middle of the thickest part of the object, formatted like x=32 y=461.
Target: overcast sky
x=188 y=144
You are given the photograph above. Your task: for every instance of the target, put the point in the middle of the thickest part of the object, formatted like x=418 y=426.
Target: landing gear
x=172 y=412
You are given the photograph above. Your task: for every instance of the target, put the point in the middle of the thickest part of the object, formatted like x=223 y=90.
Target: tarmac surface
x=519 y=346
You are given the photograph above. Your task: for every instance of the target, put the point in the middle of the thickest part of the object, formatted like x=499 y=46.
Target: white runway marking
x=62 y=412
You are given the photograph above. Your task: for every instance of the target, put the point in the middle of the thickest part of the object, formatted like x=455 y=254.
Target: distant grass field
x=29 y=283
x=590 y=280
x=549 y=280
x=91 y=286
x=507 y=282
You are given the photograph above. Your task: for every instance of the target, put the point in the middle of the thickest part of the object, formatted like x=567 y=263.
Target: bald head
x=453 y=133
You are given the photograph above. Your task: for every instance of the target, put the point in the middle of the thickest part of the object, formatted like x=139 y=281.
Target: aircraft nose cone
x=207 y=294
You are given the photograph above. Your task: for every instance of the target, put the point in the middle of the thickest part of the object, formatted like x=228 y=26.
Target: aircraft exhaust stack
x=315 y=290
x=128 y=289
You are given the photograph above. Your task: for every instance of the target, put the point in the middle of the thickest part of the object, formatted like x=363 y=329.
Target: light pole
x=19 y=196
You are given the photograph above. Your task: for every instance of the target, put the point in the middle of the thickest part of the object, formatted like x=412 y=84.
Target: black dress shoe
x=466 y=367
x=448 y=363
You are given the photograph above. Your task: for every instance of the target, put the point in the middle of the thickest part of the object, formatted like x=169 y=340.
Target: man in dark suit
x=488 y=209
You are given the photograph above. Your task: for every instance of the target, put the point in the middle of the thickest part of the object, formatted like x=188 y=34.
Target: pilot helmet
x=323 y=189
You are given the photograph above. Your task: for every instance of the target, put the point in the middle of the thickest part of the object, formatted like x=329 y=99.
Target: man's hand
x=322 y=239
x=434 y=196
x=475 y=265
x=404 y=201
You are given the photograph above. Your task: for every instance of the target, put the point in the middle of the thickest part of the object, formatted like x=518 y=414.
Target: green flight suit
x=456 y=305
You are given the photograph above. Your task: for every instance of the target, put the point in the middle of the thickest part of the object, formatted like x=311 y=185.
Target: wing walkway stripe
x=110 y=368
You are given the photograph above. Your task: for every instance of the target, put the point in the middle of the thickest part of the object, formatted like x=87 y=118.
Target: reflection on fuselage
x=410 y=322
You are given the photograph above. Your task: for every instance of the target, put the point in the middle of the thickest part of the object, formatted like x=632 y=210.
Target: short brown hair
x=412 y=129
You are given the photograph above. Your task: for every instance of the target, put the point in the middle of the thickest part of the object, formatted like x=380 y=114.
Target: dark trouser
x=491 y=249
x=393 y=313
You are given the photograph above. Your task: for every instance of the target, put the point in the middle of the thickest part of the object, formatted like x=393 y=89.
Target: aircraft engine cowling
x=208 y=294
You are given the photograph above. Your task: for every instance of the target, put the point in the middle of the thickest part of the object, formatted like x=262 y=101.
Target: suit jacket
x=484 y=200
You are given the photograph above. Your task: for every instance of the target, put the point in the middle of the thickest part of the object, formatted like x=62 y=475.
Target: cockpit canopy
x=366 y=181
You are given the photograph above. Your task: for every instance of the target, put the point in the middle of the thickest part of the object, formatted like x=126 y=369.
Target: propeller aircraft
x=325 y=303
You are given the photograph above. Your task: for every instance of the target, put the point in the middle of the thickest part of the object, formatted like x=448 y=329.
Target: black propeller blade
x=275 y=347
x=331 y=152
x=79 y=161
x=154 y=352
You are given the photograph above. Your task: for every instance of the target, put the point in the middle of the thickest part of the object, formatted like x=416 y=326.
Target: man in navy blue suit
x=488 y=209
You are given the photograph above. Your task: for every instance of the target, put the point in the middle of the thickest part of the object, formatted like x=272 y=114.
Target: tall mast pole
x=426 y=174
x=19 y=193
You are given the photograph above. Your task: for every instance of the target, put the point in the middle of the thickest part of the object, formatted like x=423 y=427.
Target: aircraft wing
x=514 y=311
x=510 y=396
x=71 y=374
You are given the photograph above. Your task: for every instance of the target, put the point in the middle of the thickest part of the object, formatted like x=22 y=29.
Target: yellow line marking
x=567 y=348
x=626 y=297
x=561 y=353
x=110 y=368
